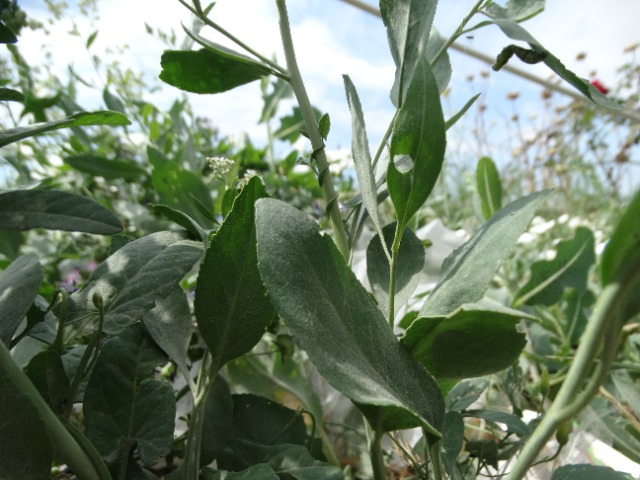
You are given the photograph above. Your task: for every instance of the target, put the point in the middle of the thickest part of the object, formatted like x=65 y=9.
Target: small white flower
x=220 y=166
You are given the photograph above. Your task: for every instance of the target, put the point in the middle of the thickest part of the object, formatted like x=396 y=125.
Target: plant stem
x=603 y=320
x=376 y=453
x=200 y=14
x=68 y=450
x=317 y=143
x=392 y=287
x=459 y=31
x=434 y=455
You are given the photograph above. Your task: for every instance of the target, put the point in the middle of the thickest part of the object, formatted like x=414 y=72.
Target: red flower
x=598 y=84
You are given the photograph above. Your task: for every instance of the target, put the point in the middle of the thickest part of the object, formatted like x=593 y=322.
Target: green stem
x=393 y=267
x=375 y=452
x=434 y=455
x=568 y=402
x=317 y=143
x=459 y=31
x=191 y=465
x=67 y=448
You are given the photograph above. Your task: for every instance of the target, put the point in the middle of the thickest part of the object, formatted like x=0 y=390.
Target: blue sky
x=333 y=38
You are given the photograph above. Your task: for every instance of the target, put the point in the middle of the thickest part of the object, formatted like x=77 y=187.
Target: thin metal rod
x=509 y=68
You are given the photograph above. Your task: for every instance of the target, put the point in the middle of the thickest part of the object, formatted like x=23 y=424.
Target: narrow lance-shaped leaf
x=124 y=406
x=131 y=280
x=81 y=119
x=231 y=305
x=19 y=285
x=408 y=24
x=569 y=269
x=489 y=187
x=467 y=272
x=362 y=159
x=341 y=329
x=208 y=71
x=419 y=133
x=409 y=268
x=473 y=340
x=54 y=210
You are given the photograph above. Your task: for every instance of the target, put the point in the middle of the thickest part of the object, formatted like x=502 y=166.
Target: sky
x=333 y=38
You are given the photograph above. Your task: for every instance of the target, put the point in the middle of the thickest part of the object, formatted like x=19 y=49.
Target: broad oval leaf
x=569 y=269
x=169 y=324
x=125 y=407
x=231 y=305
x=102 y=167
x=589 y=472
x=467 y=272
x=81 y=119
x=19 y=285
x=408 y=270
x=473 y=340
x=54 y=210
x=208 y=70
x=132 y=279
x=418 y=132
x=489 y=187
x=332 y=315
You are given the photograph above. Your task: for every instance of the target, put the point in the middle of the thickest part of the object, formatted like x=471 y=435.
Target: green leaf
x=489 y=187
x=362 y=157
x=465 y=393
x=182 y=219
x=261 y=471
x=281 y=90
x=7 y=36
x=621 y=256
x=125 y=408
x=134 y=278
x=588 y=472
x=48 y=375
x=97 y=166
x=569 y=269
x=409 y=268
x=468 y=271
x=10 y=242
x=452 y=440
x=514 y=424
x=91 y=39
x=112 y=101
x=291 y=125
x=169 y=324
x=217 y=430
x=408 y=24
x=28 y=453
x=182 y=190
x=452 y=121
x=324 y=125
x=19 y=285
x=333 y=317
x=517 y=10
x=54 y=210
x=10 y=95
x=231 y=306
x=81 y=119
x=514 y=31
x=208 y=71
x=419 y=133
x=442 y=69
x=473 y=340
x=260 y=420
x=290 y=461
